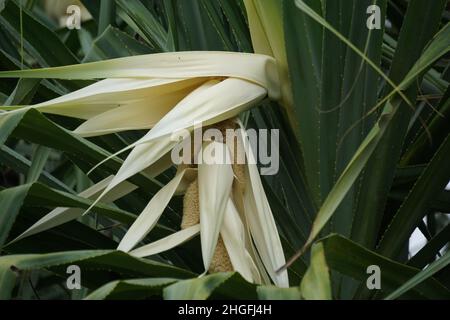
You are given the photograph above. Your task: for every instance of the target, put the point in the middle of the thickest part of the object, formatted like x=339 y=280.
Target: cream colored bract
x=167 y=93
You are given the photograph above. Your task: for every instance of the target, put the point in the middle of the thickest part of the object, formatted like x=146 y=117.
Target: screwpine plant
x=91 y=118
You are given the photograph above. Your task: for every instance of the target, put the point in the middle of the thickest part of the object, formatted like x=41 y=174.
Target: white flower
x=166 y=93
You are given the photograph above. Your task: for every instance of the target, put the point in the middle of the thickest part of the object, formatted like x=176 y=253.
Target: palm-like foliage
x=364 y=149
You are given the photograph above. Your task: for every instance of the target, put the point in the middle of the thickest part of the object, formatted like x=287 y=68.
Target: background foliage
x=395 y=176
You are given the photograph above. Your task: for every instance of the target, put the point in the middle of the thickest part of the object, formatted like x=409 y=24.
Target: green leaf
x=172 y=36
x=54 y=89
x=421 y=149
x=419 y=25
x=316 y=282
x=72 y=235
x=219 y=285
x=365 y=151
x=347 y=179
x=421 y=276
x=131 y=289
x=96 y=265
x=276 y=293
x=113 y=43
x=431 y=249
x=351 y=259
x=11 y=201
x=3 y=98
x=107 y=15
x=93 y=7
x=8 y=123
x=348 y=93
x=20 y=164
x=238 y=25
x=431 y=182
x=303 y=38
x=24 y=92
x=214 y=12
x=39 y=159
x=145 y=23
x=39 y=41
x=407 y=174
x=442 y=203
x=31 y=125
x=36 y=194
x=196 y=31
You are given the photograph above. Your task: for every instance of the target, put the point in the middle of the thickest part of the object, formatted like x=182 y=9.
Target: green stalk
x=107 y=15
